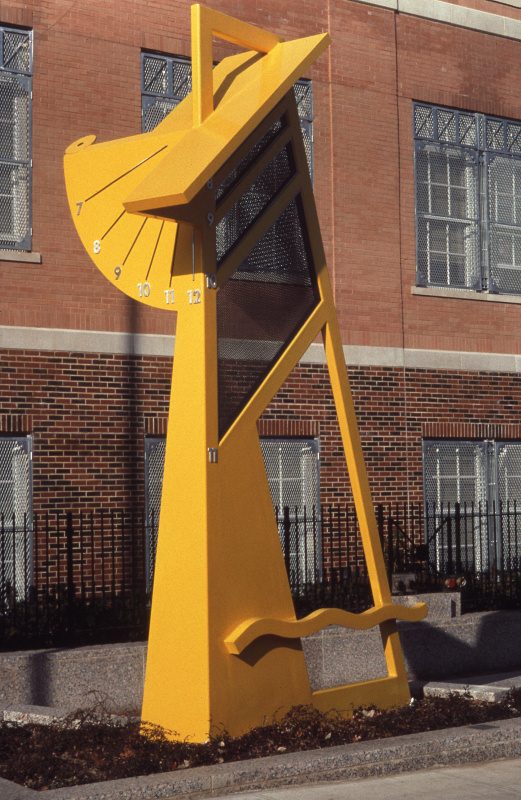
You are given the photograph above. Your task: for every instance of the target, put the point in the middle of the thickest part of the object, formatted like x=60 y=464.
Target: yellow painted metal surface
x=252 y=629
x=224 y=646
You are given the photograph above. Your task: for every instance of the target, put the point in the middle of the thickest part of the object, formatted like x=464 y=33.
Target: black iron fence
x=78 y=577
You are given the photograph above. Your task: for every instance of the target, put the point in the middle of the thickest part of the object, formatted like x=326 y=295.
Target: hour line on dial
x=124 y=174
x=135 y=239
x=174 y=251
x=155 y=249
x=114 y=223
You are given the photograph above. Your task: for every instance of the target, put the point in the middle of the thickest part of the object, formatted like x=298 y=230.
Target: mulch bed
x=92 y=746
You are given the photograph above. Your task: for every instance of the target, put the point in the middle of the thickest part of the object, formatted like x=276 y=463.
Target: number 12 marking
x=194 y=296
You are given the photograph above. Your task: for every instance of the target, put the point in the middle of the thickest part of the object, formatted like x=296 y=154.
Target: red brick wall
x=88 y=415
x=87 y=79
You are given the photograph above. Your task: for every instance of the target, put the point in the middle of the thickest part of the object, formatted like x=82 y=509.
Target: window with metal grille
x=468 y=200
x=166 y=80
x=477 y=484
x=154 y=463
x=292 y=467
x=15 y=517
x=15 y=138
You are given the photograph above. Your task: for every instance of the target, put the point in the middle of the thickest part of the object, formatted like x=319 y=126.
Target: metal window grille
x=304 y=96
x=16 y=514
x=15 y=138
x=167 y=80
x=475 y=482
x=260 y=308
x=292 y=468
x=468 y=200
x=154 y=464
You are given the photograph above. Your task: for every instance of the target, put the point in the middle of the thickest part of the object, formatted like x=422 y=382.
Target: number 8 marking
x=96 y=246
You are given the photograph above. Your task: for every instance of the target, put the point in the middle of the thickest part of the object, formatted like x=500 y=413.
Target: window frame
x=485 y=139
x=490 y=541
x=309 y=537
x=151 y=526
x=149 y=97
x=24 y=78
x=315 y=545
x=24 y=527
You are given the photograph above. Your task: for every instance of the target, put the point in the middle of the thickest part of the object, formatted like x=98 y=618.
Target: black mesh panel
x=260 y=309
x=252 y=203
x=237 y=172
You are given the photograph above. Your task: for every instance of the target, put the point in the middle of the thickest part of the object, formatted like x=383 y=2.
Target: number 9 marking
x=117 y=272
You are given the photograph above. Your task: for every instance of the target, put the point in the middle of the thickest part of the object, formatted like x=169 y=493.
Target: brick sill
x=465 y=294
x=20 y=256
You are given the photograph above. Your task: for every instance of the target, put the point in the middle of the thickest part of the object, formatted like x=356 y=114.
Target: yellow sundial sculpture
x=212 y=215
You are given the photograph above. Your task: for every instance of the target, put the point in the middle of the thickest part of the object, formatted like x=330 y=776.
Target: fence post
x=69 y=535
x=457 y=522
x=450 y=563
x=287 y=540
x=390 y=547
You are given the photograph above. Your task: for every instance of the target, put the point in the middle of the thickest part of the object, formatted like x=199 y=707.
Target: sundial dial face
x=137 y=253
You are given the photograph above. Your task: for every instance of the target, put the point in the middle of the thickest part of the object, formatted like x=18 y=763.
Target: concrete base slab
x=489 y=688
x=32 y=715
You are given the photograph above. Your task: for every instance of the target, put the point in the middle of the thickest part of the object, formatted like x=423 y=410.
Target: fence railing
x=79 y=577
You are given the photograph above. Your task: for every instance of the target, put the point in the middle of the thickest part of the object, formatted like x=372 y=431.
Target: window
x=16 y=516
x=166 y=80
x=292 y=467
x=15 y=138
x=468 y=200
x=154 y=462
x=479 y=485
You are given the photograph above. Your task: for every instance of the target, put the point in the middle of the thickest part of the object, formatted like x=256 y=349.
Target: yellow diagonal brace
x=280 y=371
x=263 y=223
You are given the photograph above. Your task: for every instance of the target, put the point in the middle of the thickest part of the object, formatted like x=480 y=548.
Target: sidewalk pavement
x=501 y=779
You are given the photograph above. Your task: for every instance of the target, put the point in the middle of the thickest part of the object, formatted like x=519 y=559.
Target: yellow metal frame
x=224 y=645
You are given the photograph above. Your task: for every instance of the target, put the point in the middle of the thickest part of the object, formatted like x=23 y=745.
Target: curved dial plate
x=137 y=253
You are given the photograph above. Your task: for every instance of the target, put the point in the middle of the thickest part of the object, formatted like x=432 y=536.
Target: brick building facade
x=415 y=168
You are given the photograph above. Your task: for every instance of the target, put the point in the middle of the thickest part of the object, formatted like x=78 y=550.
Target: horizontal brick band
x=452 y=14
x=145 y=344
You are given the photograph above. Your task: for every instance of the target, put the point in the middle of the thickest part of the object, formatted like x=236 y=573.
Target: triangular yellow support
x=212 y=215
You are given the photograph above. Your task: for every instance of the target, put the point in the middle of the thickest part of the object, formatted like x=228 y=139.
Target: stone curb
x=487 y=693
x=452 y=746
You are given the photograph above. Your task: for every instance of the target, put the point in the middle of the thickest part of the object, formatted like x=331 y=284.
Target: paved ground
x=497 y=779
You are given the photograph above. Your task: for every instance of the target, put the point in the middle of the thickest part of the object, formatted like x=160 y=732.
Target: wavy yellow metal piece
x=251 y=629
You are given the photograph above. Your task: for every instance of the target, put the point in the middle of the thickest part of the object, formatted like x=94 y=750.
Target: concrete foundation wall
x=436 y=649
